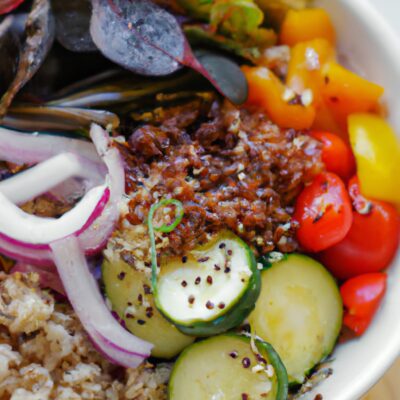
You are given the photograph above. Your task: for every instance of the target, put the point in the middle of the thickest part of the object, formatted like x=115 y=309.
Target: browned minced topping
x=231 y=168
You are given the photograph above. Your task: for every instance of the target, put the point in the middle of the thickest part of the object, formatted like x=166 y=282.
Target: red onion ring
x=107 y=334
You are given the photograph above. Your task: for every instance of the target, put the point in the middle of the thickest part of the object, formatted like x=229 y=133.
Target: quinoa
x=230 y=167
x=46 y=354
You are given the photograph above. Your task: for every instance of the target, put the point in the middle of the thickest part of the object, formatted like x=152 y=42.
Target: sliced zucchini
x=129 y=292
x=210 y=290
x=299 y=312
x=228 y=367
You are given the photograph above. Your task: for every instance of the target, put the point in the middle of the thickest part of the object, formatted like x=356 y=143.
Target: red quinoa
x=230 y=167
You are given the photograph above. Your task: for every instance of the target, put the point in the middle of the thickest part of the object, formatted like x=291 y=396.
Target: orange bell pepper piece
x=345 y=92
x=306 y=62
x=268 y=92
x=307 y=24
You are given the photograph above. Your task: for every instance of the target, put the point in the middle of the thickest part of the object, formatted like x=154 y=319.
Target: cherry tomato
x=336 y=154
x=323 y=211
x=361 y=297
x=9 y=5
x=372 y=241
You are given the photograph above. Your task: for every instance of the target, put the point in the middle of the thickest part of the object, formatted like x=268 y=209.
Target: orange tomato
x=336 y=154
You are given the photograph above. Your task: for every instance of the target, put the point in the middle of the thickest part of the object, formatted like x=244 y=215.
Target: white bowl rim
x=389 y=40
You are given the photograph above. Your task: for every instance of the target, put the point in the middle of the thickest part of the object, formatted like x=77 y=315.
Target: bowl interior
x=371 y=47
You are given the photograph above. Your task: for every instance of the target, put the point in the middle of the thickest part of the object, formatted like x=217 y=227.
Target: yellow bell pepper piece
x=377 y=152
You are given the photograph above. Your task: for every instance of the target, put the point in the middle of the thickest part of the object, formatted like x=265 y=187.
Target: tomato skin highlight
x=372 y=241
x=323 y=211
x=336 y=154
x=361 y=298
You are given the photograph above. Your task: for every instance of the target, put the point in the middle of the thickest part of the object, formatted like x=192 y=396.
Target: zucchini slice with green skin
x=129 y=293
x=227 y=367
x=210 y=290
x=299 y=312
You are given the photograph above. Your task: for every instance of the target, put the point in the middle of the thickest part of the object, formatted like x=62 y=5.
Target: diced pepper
x=306 y=62
x=269 y=93
x=345 y=92
x=308 y=24
x=377 y=152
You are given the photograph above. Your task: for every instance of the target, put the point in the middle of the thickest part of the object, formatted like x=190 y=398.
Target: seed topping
x=121 y=275
x=210 y=305
x=246 y=362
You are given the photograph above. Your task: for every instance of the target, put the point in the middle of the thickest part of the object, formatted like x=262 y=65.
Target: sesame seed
x=221 y=306
x=184 y=283
x=227 y=270
x=197 y=281
x=217 y=267
x=209 y=305
x=149 y=312
x=318 y=397
x=121 y=275
x=222 y=245
x=129 y=303
x=260 y=358
x=191 y=299
x=140 y=298
x=234 y=354
x=288 y=94
x=147 y=289
x=141 y=322
x=245 y=396
x=229 y=252
x=246 y=362
x=209 y=279
x=184 y=259
x=307 y=97
x=203 y=259
x=128 y=315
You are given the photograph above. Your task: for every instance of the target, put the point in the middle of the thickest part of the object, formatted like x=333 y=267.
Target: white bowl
x=374 y=49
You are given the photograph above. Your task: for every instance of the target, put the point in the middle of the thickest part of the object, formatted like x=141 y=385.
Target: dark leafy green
x=73 y=23
x=148 y=40
x=122 y=91
x=201 y=34
x=9 y=52
x=231 y=81
x=39 y=39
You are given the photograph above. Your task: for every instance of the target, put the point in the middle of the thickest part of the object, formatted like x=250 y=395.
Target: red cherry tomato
x=336 y=154
x=9 y=5
x=323 y=211
x=372 y=241
x=361 y=297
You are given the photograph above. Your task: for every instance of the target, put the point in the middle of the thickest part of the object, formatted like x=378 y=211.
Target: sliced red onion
x=84 y=294
x=48 y=174
x=93 y=230
x=32 y=231
x=48 y=277
x=25 y=148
